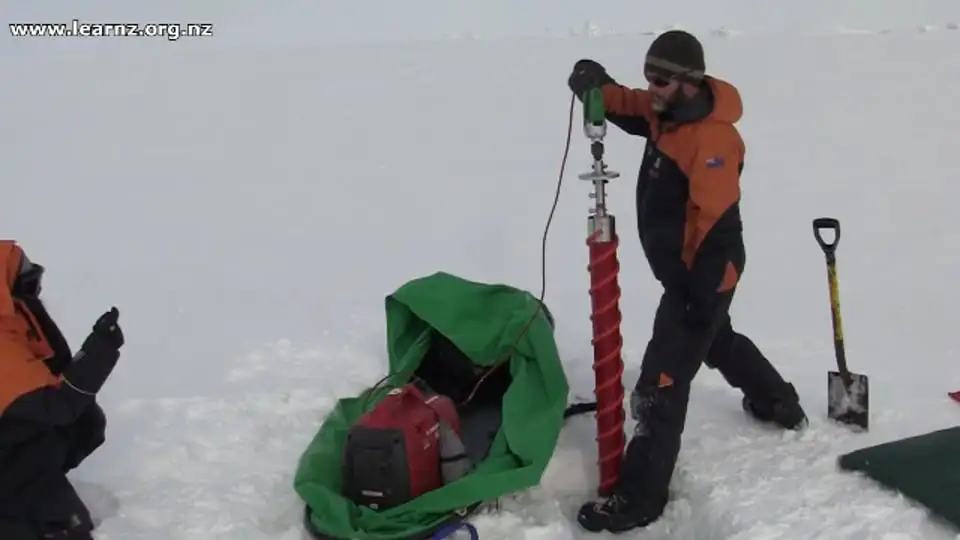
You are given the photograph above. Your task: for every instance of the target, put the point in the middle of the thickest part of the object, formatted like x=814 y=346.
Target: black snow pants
x=36 y=498
x=680 y=343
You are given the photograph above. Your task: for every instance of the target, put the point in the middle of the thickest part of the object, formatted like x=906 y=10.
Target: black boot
x=784 y=409
x=618 y=514
x=26 y=530
x=18 y=530
x=65 y=531
x=63 y=514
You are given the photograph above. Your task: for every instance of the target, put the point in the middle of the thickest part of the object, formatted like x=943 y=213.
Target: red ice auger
x=604 y=271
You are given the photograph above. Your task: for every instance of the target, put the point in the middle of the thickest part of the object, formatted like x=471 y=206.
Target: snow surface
x=249 y=199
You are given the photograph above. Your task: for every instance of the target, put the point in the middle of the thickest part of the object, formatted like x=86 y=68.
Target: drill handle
x=594 y=114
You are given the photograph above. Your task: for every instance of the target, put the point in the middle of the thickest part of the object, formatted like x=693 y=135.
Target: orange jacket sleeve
x=714 y=182
x=622 y=101
x=628 y=109
x=714 y=190
x=714 y=187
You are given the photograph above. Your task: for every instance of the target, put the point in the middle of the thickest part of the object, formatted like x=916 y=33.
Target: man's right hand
x=586 y=75
x=106 y=332
x=98 y=355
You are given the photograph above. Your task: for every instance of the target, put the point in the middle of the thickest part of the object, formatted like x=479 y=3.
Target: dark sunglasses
x=658 y=80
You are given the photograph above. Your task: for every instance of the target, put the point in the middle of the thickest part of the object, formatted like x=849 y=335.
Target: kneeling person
x=50 y=420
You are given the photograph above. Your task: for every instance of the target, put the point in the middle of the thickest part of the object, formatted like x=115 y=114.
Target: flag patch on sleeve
x=715 y=162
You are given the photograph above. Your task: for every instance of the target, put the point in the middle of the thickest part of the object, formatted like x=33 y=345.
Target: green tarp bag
x=483 y=321
x=924 y=468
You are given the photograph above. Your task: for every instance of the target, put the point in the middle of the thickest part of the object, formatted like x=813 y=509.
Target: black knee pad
x=654 y=407
x=641 y=402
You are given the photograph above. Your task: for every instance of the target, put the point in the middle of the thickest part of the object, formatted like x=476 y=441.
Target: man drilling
x=688 y=217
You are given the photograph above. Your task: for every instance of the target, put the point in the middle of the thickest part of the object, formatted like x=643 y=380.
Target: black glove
x=96 y=358
x=106 y=333
x=587 y=75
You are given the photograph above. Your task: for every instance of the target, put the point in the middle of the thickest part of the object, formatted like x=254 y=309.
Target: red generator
x=392 y=452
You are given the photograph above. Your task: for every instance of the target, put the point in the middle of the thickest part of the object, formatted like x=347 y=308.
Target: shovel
x=848 y=394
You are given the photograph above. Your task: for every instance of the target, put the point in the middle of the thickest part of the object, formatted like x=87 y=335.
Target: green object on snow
x=483 y=321
x=924 y=468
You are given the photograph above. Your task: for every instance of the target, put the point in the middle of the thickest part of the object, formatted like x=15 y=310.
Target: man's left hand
x=586 y=75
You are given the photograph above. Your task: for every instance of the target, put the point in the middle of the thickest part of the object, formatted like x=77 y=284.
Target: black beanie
x=676 y=54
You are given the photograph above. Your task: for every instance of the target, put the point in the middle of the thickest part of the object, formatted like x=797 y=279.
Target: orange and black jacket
x=688 y=189
x=40 y=382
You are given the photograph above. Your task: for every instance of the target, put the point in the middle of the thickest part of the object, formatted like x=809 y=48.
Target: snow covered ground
x=248 y=200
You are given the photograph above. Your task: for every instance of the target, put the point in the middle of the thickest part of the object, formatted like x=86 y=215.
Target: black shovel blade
x=848 y=402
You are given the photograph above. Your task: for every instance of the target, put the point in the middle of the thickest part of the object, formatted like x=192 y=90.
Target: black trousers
x=681 y=342
x=34 y=461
